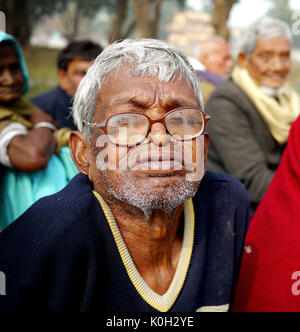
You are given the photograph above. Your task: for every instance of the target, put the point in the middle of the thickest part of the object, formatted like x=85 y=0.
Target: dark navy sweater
x=58 y=104
x=61 y=255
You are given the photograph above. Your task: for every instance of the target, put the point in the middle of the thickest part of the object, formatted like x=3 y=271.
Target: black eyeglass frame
x=162 y=120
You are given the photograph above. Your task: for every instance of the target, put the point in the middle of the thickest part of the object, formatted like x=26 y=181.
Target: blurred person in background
x=73 y=63
x=214 y=55
x=28 y=141
x=253 y=111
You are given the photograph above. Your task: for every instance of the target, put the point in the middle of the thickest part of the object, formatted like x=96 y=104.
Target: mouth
x=277 y=77
x=162 y=175
x=163 y=166
x=10 y=91
x=157 y=163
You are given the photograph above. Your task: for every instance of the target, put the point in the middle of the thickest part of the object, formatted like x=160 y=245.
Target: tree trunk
x=129 y=30
x=155 y=20
x=118 y=22
x=222 y=9
x=139 y=18
x=147 y=13
x=17 y=19
x=76 y=22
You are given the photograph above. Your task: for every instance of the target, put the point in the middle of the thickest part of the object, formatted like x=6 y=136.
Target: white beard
x=272 y=92
x=172 y=197
x=145 y=197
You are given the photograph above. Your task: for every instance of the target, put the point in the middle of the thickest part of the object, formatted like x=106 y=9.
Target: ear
x=79 y=149
x=243 y=60
x=62 y=78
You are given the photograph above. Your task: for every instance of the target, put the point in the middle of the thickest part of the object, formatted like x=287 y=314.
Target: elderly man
x=253 y=111
x=215 y=56
x=137 y=230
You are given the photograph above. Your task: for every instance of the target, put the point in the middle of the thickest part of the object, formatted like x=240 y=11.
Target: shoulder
x=46 y=95
x=61 y=238
x=51 y=219
x=74 y=197
x=46 y=100
x=223 y=192
x=222 y=207
x=227 y=86
x=230 y=100
x=230 y=91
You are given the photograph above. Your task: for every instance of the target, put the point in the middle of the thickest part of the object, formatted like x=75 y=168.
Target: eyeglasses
x=131 y=129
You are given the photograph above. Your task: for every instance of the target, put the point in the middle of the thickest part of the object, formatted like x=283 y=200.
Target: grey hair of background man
x=210 y=45
x=148 y=57
x=263 y=28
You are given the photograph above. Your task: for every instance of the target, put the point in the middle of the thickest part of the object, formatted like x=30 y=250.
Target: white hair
x=149 y=57
x=263 y=28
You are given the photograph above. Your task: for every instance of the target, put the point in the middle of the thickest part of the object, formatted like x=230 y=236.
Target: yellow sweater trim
x=164 y=302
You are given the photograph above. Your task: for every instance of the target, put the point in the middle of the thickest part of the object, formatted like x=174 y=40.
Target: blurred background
x=43 y=27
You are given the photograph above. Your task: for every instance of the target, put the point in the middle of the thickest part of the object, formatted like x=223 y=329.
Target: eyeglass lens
x=132 y=129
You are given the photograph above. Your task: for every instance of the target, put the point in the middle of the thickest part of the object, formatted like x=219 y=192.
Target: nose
x=7 y=77
x=158 y=134
x=277 y=64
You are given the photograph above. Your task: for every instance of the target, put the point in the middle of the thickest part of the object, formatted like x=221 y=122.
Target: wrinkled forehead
x=275 y=44
x=135 y=69
x=126 y=83
x=218 y=46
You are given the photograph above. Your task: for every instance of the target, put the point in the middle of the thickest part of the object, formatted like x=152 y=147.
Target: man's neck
x=154 y=244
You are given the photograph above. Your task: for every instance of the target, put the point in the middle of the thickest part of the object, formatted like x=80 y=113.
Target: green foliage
x=90 y=8
x=39 y=8
x=181 y=3
x=168 y=9
x=282 y=10
x=42 y=69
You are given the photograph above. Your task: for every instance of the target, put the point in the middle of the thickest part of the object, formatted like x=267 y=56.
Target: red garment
x=270 y=272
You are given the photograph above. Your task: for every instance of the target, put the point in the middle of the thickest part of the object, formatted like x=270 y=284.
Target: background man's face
x=11 y=78
x=270 y=63
x=125 y=93
x=70 y=79
x=218 y=60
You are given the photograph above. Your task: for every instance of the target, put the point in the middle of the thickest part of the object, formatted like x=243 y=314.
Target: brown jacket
x=241 y=143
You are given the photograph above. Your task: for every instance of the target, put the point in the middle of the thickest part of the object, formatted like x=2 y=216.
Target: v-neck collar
x=163 y=302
